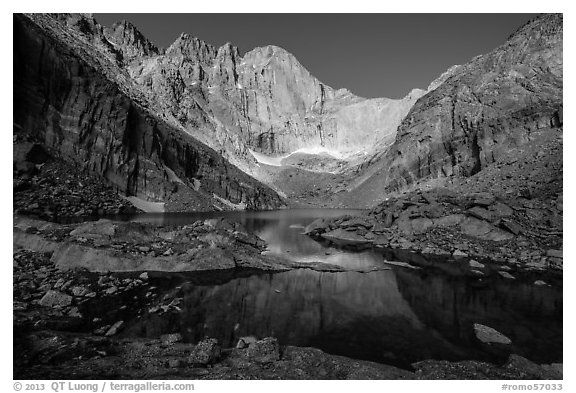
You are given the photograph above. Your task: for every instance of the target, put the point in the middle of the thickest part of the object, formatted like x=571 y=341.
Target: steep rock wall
x=89 y=120
x=479 y=111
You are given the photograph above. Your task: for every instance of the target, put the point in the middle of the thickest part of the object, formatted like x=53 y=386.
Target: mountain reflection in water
x=395 y=316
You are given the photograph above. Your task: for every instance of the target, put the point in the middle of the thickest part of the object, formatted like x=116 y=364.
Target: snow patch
x=234 y=206
x=267 y=160
x=172 y=177
x=147 y=206
x=313 y=150
x=316 y=150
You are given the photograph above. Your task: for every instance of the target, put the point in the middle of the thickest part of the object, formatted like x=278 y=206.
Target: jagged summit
x=130 y=40
x=192 y=48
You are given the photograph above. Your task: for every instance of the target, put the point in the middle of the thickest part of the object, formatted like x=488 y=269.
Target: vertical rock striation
x=70 y=94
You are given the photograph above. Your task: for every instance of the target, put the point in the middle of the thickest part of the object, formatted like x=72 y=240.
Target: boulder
x=250 y=239
x=357 y=222
x=264 y=351
x=488 y=335
x=171 y=338
x=421 y=225
x=531 y=370
x=388 y=220
x=244 y=342
x=482 y=230
x=340 y=236
x=315 y=227
x=381 y=240
x=80 y=291
x=501 y=210
x=554 y=253
x=511 y=226
x=448 y=221
x=95 y=230
x=206 y=352
x=482 y=199
x=55 y=299
x=481 y=213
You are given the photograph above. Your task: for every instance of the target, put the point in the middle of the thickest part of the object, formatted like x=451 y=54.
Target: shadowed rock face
x=481 y=110
x=70 y=95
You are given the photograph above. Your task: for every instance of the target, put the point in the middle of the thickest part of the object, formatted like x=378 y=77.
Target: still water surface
x=396 y=316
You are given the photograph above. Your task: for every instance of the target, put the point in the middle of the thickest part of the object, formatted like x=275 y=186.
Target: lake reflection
x=395 y=316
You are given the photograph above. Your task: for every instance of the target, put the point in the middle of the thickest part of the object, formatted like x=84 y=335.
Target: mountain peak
x=126 y=37
x=192 y=48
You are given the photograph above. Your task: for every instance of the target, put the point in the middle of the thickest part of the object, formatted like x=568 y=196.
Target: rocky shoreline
x=520 y=234
x=60 y=355
x=76 y=285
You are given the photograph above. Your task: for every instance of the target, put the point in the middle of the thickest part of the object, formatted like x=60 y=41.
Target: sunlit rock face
x=264 y=100
x=475 y=113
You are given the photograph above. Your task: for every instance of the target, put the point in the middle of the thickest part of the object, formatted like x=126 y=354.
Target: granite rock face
x=265 y=101
x=129 y=41
x=475 y=113
x=71 y=95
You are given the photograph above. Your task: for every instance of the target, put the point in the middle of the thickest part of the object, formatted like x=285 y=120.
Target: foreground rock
x=205 y=352
x=68 y=323
x=108 y=246
x=523 y=233
x=66 y=356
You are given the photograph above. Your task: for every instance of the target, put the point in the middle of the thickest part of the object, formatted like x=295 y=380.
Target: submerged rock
x=488 y=335
x=114 y=329
x=475 y=264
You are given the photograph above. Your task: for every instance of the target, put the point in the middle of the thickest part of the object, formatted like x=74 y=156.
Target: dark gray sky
x=373 y=55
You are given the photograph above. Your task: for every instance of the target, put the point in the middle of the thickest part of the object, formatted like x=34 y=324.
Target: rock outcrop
x=512 y=230
x=476 y=113
x=71 y=95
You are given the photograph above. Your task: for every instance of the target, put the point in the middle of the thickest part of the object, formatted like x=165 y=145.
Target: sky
x=372 y=55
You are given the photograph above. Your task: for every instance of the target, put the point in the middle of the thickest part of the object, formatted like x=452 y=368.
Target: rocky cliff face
x=70 y=94
x=475 y=113
x=265 y=101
